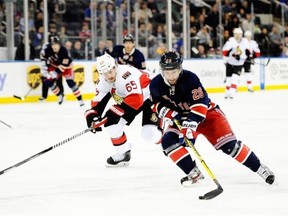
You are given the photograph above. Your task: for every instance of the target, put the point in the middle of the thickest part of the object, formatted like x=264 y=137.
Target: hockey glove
x=165 y=112
x=188 y=130
x=92 y=118
x=237 y=57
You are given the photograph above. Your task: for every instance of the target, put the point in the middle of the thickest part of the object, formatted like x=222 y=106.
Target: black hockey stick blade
x=18 y=97
x=212 y=194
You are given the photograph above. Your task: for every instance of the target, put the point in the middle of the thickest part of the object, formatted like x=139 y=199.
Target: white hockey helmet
x=238 y=31
x=248 y=34
x=105 y=63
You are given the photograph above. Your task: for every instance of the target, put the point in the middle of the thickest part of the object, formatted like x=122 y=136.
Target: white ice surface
x=73 y=180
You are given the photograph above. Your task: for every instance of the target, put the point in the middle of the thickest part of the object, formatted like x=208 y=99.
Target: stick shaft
x=6 y=124
x=44 y=151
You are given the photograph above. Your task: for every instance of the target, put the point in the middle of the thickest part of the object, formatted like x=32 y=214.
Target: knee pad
x=237 y=150
x=151 y=133
x=170 y=142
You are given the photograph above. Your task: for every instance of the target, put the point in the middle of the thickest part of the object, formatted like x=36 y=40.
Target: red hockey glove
x=92 y=118
x=188 y=130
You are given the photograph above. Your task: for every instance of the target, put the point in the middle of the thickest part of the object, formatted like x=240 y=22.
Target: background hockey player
x=179 y=94
x=44 y=69
x=59 y=63
x=129 y=87
x=253 y=53
x=128 y=54
x=234 y=53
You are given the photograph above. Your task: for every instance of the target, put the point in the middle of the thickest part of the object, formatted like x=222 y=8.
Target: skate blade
x=120 y=164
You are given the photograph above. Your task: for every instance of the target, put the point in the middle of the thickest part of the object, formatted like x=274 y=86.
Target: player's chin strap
x=99 y=124
x=219 y=189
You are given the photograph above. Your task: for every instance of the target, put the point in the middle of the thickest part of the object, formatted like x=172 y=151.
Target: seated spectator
x=77 y=51
x=85 y=32
x=100 y=50
x=68 y=45
x=20 y=51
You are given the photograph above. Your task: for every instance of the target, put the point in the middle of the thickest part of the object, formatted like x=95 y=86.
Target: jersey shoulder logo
x=126 y=75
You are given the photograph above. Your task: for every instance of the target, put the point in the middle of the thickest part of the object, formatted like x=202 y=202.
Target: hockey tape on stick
x=51 y=148
x=219 y=189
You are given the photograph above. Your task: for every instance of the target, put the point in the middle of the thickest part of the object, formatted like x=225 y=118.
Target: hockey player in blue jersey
x=57 y=63
x=178 y=94
x=128 y=54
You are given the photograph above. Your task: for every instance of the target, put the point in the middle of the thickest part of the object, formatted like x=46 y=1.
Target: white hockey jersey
x=233 y=47
x=254 y=48
x=131 y=87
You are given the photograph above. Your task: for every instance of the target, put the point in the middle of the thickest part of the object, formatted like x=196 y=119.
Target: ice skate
x=194 y=176
x=266 y=174
x=60 y=98
x=81 y=103
x=42 y=99
x=119 y=160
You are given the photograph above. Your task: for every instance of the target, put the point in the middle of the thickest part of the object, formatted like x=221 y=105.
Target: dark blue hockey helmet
x=53 y=39
x=128 y=37
x=171 y=60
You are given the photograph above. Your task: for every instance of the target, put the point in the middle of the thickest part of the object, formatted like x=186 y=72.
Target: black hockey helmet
x=128 y=37
x=171 y=60
x=53 y=39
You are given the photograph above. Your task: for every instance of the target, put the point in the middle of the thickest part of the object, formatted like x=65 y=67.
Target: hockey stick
x=54 y=146
x=24 y=97
x=219 y=189
x=6 y=124
x=260 y=63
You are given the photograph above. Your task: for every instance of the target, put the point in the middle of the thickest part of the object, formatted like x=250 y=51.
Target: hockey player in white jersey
x=254 y=52
x=235 y=52
x=129 y=87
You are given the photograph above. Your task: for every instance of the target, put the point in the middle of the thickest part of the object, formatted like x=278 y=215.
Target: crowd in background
x=74 y=28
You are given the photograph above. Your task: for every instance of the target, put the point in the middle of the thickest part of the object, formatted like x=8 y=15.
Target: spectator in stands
x=204 y=37
x=160 y=34
x=276 y=42
x=142 y=34
x=85 y=32
x=87 y=12
x=62 y=35
x=39 y=19
x=77 y=52
x=68 y=45
x=248 y=24
x=213 y=20
x=20 y=51
x=111 y=19
x=199 y=52
x=100 y=50
x=109 y=45
x=264 y=42
x=38 y=39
